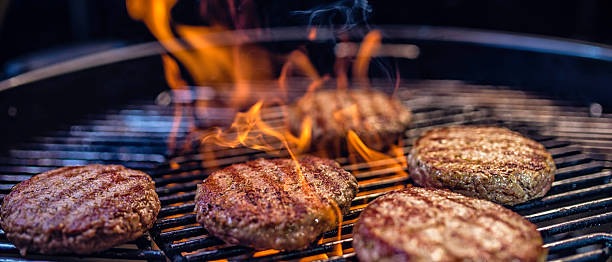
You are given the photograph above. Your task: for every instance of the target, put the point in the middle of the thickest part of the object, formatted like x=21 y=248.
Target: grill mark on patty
x=57 y=211
x=80 y=197
x=62 y=177
x=379 y=119
x=234 y=175
x=334 y=181
x=365 y=107
x=73 y=205
x=380 y=107
x=286 y=205
x=488 y=162
x=375 y=237
x=259 y=168
x=267 y=178
x=109 y=188
x=304 y=189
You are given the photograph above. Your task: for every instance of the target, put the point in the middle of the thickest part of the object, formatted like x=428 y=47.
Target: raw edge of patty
x=377 y=118
x=265 y=204
x=427 y=224
x=80 y=209
x=490 y=163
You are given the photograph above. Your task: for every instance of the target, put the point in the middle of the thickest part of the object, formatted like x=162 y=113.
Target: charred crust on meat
x=378 y=119
x=80 y=209
x=491 y=163
x=266 y=203
x=427 y=224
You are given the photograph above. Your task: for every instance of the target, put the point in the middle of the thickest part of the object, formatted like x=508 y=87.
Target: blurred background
x=36 y=33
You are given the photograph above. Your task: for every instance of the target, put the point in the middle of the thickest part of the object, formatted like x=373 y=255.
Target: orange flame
x=300 y=60
x=375 y=159
x=206 y=62
x=209 y=64
x=371 y=44
x=249 y=130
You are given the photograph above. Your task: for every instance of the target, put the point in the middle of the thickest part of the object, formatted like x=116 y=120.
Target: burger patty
x=79 y=209
x=377 y=118
x=491 y=163
x=269 y=204
x=427 y=224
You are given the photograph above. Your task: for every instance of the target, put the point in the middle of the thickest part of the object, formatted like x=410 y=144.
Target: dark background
x=34 y=33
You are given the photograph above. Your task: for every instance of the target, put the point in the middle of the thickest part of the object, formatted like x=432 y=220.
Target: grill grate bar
x=594 y=255
x=318 y=249
x=577 y=170
x=183 y=233
x=579 y=198
x=171 y=199
x=575 y=194
x=55 y=163
x=115 y=253
x=592 y=179
x=569 y=210
x=174 y=210
x=561 y=212
x=90 y=147
x=162 y=191
x=574 y=224
x=579 y=241
x=86 y=155
x=194 y=244
x=106 y=140
x=174 y=222
x=218 y=253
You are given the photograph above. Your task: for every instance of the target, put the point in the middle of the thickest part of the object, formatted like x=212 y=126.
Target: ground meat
x=269 y=204
x=80 y=209
x=378 y=119
x=427 y=224
x=491 y=163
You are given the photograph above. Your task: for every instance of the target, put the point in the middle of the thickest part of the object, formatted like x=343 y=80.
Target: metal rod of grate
x=578 y=200
x=108 y=137
x=573 y=217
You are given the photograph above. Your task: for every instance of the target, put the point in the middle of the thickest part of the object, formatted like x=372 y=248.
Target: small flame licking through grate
x=209 y=64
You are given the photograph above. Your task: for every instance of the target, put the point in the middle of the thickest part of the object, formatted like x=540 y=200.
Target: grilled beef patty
x=268 y=204
x=491 y=163
x=378 y=119
x=80 y=209
x=427 y=224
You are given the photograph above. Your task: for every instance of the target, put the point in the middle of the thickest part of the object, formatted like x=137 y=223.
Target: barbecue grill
x=574 y=218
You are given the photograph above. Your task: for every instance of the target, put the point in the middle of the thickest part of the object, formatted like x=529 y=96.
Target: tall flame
x=209 y=64
x=297 y=59
x=371 y=44
x=206 y=62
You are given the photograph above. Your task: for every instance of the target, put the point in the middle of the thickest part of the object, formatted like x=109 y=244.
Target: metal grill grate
x=133 y=136
x=574 y=217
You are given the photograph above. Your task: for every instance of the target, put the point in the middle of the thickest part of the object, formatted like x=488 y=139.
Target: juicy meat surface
x=266 y=203
x=491 y=163
x=377 y=118
x=427 y=224
x=79 y=209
